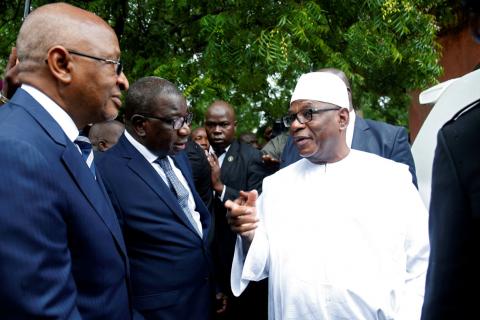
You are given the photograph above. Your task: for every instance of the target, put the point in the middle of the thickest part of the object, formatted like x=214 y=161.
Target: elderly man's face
x=160 y=137
x=319 y=139
x=98 y=87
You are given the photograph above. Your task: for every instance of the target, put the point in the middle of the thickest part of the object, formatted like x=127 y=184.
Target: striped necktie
x=179 y=190
x=85 y=147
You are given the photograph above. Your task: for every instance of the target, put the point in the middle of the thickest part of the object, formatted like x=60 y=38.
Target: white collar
x=147 y=154
x=57 y=113
x=213 y=151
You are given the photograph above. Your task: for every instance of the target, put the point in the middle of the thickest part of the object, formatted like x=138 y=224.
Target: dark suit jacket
x=202 y=179
x=171 y=267
x=201 y=172
x=242 y=169
x=62 y=253
x=453 y=277
x=376 y=137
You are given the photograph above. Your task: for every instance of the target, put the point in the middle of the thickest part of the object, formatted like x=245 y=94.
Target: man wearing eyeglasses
x=341 y=233
x=367 y=135
x=62 y=254
x=164 y=220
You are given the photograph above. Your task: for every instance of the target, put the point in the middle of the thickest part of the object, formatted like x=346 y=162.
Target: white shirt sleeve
x=255 y=265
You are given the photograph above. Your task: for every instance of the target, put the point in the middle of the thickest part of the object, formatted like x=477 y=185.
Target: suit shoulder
x=468 y=116
x=247 y=150
x=461 y=132
x=384 y=127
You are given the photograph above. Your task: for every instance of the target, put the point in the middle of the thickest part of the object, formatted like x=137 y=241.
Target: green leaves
x=251 y=52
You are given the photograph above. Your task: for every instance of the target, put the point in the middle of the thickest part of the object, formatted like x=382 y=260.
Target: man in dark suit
x=201 y=173
x=453 y=277
x=62 y=254
x=235 y=166
x=164 y=221
x=380 y=138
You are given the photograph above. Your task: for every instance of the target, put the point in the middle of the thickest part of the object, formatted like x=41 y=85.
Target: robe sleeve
x=255 y=265
x=417 y=250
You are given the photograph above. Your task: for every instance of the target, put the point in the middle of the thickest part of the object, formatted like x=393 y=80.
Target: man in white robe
x=341 y=234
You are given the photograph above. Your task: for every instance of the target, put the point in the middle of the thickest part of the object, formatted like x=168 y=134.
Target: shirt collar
x=55 y=111
x=147 y=154
x=213 y=151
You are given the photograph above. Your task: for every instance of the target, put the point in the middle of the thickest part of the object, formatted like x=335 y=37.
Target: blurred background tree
x=251 y=52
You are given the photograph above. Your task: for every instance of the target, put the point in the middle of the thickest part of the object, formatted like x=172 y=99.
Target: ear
x=139 y=125
x=343 y=118
x=102 y=145
x=60 y=64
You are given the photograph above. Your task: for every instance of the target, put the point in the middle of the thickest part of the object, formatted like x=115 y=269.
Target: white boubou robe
x=345 y=240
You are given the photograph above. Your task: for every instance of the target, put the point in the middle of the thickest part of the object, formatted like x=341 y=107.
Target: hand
x=215 y=172
x=270 y=161
x=242 y=214
x=221 y=302
x=11 y=82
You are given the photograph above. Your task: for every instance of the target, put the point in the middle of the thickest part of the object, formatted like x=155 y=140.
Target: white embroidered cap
x=321 y=86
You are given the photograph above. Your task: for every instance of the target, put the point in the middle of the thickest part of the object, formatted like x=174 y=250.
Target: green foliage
x=251 y=52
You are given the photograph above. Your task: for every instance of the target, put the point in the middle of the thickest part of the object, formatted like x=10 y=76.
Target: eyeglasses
x=118 y=63
x=304 y=116
x=176 y=123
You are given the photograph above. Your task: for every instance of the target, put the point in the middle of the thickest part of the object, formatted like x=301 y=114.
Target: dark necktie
x=219 y=151
x=179 y=190
x=85 y=147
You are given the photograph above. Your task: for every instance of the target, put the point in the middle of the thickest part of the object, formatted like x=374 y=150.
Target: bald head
x=105 y=135
x=72 y=56
x=221 y=106
x=51 y=25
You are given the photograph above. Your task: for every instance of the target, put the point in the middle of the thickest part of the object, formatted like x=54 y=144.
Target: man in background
x=104 y=135
x=235 y=166
x=199 y=135
x=249 y=138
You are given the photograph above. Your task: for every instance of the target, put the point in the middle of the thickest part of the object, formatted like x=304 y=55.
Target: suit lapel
x=229 y=162
x=74 y=163
x=140 y=166
x=92 y=190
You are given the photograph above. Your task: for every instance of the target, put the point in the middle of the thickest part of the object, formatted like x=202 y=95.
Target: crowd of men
x=146 y=219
